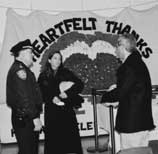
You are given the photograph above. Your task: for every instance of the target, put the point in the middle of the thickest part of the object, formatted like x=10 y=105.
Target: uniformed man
x=24 y=98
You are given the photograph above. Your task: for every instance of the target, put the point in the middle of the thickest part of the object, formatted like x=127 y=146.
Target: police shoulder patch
x=22 y=74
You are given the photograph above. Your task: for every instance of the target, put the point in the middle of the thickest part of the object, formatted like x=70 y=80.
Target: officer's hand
x=38 y=124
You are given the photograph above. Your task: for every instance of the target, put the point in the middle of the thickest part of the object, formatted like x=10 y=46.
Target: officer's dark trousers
x=27 y=139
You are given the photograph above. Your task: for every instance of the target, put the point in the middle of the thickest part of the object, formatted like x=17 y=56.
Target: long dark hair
x=47 y=68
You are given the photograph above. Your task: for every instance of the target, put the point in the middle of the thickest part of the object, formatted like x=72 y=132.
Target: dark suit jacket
x=134 y=94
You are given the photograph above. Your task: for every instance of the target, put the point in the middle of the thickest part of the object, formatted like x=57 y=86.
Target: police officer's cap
x=26 y=44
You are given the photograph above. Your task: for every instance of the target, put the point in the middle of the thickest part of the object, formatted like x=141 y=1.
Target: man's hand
x=114 y=104
x=38 y=124
x=112 y=87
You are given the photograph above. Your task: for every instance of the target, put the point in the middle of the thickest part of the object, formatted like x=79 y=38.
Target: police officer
x=24 y=98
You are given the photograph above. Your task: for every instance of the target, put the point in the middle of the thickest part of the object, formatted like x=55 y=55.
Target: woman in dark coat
x=61 y=128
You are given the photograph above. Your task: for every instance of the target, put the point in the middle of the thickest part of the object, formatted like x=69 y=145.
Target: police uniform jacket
x=23 y=93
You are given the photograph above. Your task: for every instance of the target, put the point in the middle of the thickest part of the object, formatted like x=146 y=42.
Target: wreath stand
x=97 y=147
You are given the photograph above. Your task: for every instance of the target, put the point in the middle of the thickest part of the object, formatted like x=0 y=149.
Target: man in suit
x=134 y=93
x=24 y=98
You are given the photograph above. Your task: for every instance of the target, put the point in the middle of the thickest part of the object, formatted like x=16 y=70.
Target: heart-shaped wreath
x=97 y=71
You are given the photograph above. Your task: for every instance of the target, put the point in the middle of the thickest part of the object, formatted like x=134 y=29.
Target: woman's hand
x=63 y=95
x=56 y=100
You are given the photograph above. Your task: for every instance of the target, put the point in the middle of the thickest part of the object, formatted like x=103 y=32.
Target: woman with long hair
x=60 y=90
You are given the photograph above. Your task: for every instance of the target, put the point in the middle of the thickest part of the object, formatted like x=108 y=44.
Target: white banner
x=82 y=36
